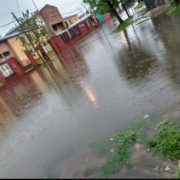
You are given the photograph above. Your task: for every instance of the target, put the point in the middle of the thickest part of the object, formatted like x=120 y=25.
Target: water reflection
x=168 y=29
x=133 y=61
x=64 y=75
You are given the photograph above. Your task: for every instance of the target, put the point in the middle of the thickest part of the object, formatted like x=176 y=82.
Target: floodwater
x=50 y=118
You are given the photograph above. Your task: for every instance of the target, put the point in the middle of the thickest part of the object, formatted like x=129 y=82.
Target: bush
x=167 y=140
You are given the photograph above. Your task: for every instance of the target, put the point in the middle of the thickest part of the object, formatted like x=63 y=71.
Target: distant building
x=52 y=17
x=69 y=20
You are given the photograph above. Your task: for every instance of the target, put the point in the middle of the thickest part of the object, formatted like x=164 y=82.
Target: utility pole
x=29 y=39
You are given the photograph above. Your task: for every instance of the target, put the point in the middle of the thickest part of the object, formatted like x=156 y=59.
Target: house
x=52 y=18
x=69 y=20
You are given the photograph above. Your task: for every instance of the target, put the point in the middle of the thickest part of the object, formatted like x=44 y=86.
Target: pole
x=42 y=16
x=29 y=39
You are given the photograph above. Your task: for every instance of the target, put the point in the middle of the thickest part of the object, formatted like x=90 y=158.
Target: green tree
x=35 y=29
x=103 y=6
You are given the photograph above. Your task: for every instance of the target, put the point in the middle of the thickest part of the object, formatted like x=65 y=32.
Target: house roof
x=66 y=17
x=77 y=22
x=47 y=6
x=12 y=30
x=9 y=36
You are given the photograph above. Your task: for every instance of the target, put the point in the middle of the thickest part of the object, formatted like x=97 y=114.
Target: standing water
x=50 y=118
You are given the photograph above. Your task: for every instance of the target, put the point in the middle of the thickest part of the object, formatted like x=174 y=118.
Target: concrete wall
x=71 y=20
x=4 y=48
x=18 y=50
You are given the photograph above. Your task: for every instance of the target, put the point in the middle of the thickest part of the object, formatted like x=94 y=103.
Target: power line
x=7 y=24
x=18 y=7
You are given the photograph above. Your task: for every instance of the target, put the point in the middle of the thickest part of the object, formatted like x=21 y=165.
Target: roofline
x=66 y=17
x=77 y=22
x=47 y=5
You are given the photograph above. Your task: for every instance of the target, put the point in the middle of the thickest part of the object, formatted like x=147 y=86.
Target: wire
x=7 y=24
x=9 y=13
x=18 y=7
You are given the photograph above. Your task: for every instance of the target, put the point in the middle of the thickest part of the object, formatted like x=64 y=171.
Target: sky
x=66 y=7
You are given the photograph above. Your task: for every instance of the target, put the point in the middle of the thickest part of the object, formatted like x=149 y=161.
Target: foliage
x=35 y=29
x=139 y=6
x=173 y=9
x=103 y=6
x=167 y=140
x=119 y=158
x=123 y=25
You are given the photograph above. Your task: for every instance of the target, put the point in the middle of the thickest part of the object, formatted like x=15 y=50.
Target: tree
x=103 y=6
x=35 y=29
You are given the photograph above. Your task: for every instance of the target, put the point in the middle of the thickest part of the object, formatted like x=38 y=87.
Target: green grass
x=167 y=139
x=123 y=143
x=123 y=25
x=139 y=6
x=173 y=9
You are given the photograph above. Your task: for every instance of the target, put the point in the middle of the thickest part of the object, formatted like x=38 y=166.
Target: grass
x=123 y=143
x=173 y=9
x=167 y=139
x=139 y=6
x=123 y=25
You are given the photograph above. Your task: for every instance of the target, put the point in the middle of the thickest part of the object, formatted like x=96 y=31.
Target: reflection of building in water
x=89 y=94
x=15 y=99
x=5 y=112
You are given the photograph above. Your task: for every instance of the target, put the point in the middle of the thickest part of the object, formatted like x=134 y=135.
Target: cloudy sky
x=66 y=7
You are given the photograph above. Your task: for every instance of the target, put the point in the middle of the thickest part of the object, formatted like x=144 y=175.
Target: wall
x=51 y=15
x=18 y=50
x=3 y=48
x=71 y=20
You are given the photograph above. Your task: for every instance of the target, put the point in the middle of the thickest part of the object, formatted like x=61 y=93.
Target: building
x=69 y=20
x=52 y=18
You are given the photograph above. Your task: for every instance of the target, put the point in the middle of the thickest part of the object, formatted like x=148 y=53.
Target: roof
x=80 y=20
x=9 y=36
x=77 y=22
x=12 y=30
x=66 y=17
x=47 y=6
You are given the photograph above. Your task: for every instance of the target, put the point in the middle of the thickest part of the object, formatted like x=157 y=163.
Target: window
x=6 y=70
x=54 y=27
x=7 y=53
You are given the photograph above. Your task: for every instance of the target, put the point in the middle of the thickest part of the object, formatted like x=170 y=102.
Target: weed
x=167 y=140
x=120 y=157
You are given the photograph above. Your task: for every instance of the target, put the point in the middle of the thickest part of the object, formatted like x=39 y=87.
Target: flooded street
x=50 y=118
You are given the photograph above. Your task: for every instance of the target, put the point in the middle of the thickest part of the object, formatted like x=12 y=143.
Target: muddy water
x=50 y=118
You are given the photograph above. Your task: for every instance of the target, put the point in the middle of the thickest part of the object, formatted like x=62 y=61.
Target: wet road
x=49 y=119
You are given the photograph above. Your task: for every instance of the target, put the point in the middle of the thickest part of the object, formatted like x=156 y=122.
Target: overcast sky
x=66 y=8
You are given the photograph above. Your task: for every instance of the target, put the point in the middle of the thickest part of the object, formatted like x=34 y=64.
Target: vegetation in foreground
x=120 y=154
x=166 y=142
x=173 y=9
